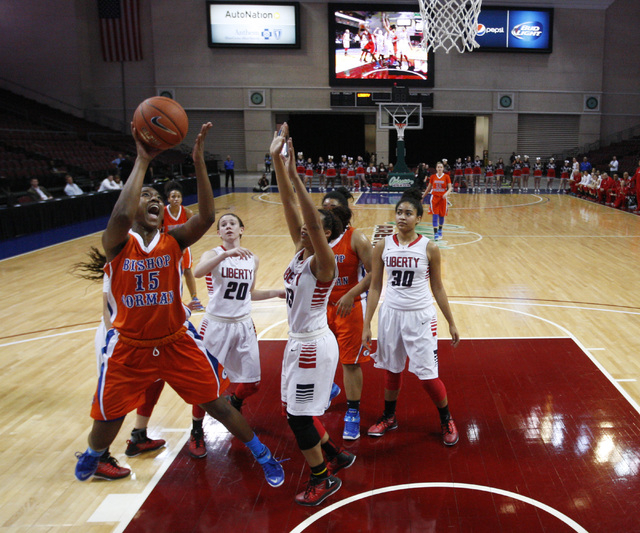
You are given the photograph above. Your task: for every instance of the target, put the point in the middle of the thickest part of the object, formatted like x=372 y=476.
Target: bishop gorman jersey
x=350 y=269
x=229 y=286
x=170 y=222
x=306 y=297
x=145 y=294
x=407 y=270
x=439 y=184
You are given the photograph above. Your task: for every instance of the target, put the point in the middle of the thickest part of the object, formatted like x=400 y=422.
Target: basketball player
x=347 y=304
x=226 y=328
x=407 y=322
x=439 y=188
x=311 y=354
x=346 y=41
x=175 y=215
x=150 y=337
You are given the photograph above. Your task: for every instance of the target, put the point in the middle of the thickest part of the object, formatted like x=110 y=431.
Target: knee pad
x=304 y=431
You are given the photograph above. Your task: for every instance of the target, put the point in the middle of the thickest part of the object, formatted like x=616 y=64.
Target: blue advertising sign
x=517 y=30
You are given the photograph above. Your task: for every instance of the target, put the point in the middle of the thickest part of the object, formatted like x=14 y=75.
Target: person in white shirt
x=109 y=184
x=71 y=189
x=613 y=165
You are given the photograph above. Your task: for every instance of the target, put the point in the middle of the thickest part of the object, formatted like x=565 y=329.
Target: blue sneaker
x=351 y=425
x=335 y=390
x=86 y=466
x=273 y=471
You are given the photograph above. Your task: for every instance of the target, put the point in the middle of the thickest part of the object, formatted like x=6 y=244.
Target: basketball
x=161 y=122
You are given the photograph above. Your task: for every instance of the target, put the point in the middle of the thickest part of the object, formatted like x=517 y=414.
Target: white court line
x=456 y=486
x=47 y=336
x=630 y=380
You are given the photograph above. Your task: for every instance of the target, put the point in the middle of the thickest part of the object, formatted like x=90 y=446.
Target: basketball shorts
x=348 y=332
x=100 y=342
x=438 y=205
x=412 y=334
x=127 y=371
x=235 y=344
x=308 y=368
x=187 y=258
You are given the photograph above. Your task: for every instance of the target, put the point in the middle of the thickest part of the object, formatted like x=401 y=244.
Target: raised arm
x=377 y=273
x=212 y=259
x=123 y=214
x=281 y=164
x=437 y=288
x=198 y=224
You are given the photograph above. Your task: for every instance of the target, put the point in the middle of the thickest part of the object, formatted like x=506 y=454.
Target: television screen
x=503 y=29
x=377 y=44
x=254 y=24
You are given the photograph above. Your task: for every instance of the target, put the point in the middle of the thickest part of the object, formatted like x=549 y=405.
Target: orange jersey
x=170 y=222
x=145 y=298
x=439 y=184
x=350 y=270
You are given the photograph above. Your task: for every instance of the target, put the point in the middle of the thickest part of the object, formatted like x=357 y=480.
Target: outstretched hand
x=240 y=252
x=278 y=142
x=143 y=150
x=198 y=147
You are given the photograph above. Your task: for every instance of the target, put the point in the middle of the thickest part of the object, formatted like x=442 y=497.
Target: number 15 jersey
x=407 y=268
x=229 y=286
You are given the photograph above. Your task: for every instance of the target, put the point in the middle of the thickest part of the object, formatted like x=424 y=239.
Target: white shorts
x=308 y=368
x=235 y=344
x=412 y=334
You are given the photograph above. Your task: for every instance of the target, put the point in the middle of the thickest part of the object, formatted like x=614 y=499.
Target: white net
x=450 y=24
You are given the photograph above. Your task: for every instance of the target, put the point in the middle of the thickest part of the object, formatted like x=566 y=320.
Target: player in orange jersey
x=176 y=214
x=439 y=187
x=150 y=337
x=347 y=305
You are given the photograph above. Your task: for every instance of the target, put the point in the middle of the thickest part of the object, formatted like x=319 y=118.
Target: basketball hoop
x=400 y=126
x=450 y=24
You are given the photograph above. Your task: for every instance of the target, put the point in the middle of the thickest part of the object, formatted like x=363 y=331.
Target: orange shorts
x=348 y=332
x=187 y=258
x=127 y=371
x=438 y=205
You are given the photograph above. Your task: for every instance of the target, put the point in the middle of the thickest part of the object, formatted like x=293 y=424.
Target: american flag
x=120 y=30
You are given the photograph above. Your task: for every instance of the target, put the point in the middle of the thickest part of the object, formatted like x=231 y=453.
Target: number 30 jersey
x=407 y=268
x=229 y=286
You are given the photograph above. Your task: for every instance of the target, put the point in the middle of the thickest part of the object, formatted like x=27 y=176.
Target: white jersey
x=306 y=296
x=407 y=269
x=229 y=286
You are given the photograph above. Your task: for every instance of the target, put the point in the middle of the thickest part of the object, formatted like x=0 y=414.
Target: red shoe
x=383 y=425
x=449 y=433
x=318 y=491
x=197 y=447
x=146 y=445
x=109 y=469
x=343 y=460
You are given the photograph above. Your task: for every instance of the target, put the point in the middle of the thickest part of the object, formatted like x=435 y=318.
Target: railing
x=613 y=138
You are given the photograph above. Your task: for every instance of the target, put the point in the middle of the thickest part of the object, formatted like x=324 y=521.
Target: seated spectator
x=71 y=189
x=38 y=193
x=263 y=184
x=603 y=190
x=110 y=184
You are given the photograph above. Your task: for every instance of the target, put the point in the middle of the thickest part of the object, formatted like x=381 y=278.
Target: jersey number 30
x=403 y=279
x=236 y=291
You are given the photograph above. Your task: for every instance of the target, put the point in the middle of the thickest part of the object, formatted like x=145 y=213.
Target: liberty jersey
x=407 y=268
x=145 y=292
x=306 y=297
x=229 y=286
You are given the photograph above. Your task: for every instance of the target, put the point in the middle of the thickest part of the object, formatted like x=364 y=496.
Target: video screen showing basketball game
x=382 y=46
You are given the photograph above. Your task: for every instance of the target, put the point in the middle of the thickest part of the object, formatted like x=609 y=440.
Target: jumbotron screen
x=381 y=45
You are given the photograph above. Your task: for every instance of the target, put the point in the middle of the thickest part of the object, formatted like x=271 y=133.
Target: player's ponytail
x=332 y=223
x=93 y=269
x=412 y=196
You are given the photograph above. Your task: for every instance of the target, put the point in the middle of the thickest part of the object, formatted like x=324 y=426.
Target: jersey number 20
x=236 y=291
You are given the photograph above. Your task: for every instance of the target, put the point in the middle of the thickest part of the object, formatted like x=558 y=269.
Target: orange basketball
x=161 y=122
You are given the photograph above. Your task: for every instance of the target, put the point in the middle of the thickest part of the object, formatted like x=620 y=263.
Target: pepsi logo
x=527 y=31
x=481 y=30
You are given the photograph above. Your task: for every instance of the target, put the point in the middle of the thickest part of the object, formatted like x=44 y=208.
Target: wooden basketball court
x=543 y=387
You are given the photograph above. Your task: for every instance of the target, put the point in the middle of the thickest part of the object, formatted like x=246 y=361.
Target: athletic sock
x=197 y=424
x=353 y=404
x=330 y=449
x=139 y=435
x=320 y=471
x=390 y=408
x=258 y=449
x=445 y=415
x=97 y=453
